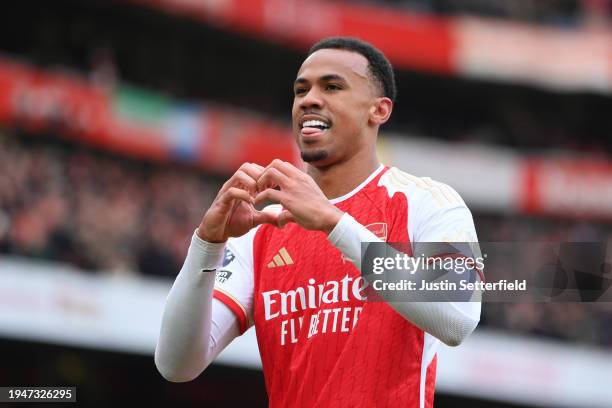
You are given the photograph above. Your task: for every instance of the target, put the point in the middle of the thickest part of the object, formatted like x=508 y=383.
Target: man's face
x=333 y=97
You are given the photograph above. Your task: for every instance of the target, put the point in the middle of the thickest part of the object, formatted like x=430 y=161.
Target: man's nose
x=313 y=99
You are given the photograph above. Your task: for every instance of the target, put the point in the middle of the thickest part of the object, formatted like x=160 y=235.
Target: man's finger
x=284 y=167
x=271 y=178
x=285 y=218
x=253 y=170
x=265 y=217
x=238 y=179
x=269 y=195
x=235 y=193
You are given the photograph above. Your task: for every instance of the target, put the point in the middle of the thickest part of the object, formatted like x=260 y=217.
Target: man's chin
x=314 y=156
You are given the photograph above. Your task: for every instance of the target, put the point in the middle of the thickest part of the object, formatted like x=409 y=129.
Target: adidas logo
x=282 y=258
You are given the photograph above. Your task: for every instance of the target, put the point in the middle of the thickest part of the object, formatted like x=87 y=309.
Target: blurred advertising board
x=137 y=122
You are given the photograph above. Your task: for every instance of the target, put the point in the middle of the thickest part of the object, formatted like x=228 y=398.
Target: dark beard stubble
x=314 y=156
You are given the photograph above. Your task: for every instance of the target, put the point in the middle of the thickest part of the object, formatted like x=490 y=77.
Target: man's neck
x=342 y=178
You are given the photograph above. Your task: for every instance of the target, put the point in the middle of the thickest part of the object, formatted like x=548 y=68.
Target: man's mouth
x=314 y=127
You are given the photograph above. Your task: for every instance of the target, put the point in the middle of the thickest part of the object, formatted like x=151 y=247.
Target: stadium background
x=120 y=119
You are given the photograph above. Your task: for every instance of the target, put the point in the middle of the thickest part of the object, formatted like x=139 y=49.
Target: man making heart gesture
x=293 y=270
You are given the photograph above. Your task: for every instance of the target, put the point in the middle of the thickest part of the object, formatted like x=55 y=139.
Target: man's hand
x=302 y=199
x=232 y=213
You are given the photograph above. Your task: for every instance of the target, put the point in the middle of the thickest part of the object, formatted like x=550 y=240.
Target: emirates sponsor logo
x=315 y=296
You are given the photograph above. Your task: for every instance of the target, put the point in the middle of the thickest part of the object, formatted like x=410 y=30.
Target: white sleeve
x=451 y=322
x=195 y=327
x=442 y=216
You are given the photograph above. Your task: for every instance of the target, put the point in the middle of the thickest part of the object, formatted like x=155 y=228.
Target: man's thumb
x=284 y=218
x=265 y=217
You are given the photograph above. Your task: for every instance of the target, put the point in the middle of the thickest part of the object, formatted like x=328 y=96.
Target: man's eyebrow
x=332 y=77
x=324 y=78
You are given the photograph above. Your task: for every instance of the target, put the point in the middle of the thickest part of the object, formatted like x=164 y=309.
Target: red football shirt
x=321 y=343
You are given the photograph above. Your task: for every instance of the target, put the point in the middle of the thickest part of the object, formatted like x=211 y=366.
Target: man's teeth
x=315 y=123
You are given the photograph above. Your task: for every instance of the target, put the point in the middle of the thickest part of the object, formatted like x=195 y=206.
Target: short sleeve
x=440 y=216
x=234 y=283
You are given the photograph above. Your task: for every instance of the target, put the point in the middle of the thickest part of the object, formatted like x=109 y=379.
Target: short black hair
x=379 y=66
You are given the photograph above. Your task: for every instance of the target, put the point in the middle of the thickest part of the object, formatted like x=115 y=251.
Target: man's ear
x=381 y=110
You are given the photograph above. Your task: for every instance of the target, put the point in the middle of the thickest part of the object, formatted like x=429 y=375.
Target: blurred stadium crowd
x=98 y=212
x=111 y=214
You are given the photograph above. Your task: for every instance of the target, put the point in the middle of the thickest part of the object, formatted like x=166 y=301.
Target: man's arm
x=195 y=328
x=449 y=321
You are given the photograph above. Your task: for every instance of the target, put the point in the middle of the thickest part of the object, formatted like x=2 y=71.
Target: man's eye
x=299 y=91
x=332 y=87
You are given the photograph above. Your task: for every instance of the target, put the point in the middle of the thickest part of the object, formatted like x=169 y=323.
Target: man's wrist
x=206 y=256
x=204 y=237
x=331 y=220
